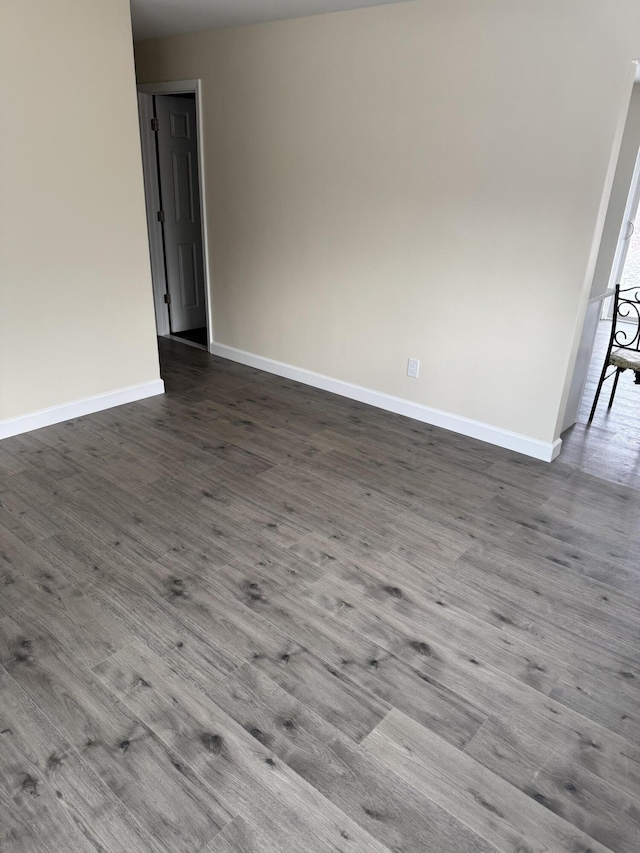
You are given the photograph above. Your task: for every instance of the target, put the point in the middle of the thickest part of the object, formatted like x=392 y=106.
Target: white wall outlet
x=413 y=366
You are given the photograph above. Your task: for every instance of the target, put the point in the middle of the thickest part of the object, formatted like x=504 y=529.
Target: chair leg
x=599 y=388
x=615 y=385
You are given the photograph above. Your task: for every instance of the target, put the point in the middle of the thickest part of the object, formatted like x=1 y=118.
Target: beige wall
x=423 y=179
x=76 y=308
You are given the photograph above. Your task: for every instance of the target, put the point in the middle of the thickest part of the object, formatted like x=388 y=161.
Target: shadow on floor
x=196 y=336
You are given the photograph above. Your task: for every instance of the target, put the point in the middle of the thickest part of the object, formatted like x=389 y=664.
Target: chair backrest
x=625 y=329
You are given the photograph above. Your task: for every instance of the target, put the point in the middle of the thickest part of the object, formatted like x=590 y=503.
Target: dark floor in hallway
x=250 y=617
x=196 y=336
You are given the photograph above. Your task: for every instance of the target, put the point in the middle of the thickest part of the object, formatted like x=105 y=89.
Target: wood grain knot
x=393 y=591
x=212 y=743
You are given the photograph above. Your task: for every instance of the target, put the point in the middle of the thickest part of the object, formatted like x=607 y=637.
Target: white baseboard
x=546 y=451
x=78 y=408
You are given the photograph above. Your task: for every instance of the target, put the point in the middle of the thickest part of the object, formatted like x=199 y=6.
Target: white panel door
x=180 y=194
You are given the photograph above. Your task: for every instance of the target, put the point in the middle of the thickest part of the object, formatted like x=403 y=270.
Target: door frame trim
x=633 y=197
x=152 y=197
x=631 y=207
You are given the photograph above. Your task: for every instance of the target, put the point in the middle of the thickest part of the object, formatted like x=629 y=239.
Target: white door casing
x=626 y=233
x=180 y=197
x=628 y=229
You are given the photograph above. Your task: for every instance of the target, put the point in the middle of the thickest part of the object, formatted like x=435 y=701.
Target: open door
x=170 y=135
x=177 y=141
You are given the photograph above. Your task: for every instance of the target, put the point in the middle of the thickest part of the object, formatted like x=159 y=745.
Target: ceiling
x=155 y=18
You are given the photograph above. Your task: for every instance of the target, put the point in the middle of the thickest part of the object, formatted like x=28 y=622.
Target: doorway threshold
x=186 y=341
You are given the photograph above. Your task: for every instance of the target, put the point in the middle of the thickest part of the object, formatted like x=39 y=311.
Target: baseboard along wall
x=543 y=450
x=78 y=408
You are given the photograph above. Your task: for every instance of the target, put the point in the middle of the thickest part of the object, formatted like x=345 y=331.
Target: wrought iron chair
x=623 y=352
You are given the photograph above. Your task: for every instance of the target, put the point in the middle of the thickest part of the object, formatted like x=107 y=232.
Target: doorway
x=174 y=195
x=614 y=246
x=625 y=270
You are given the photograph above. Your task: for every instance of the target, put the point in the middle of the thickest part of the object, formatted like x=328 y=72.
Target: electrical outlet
x=413 y=366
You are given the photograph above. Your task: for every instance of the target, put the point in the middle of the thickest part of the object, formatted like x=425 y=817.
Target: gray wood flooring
x=252 y=617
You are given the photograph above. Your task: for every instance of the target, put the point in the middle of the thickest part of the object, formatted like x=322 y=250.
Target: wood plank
x=612 y=705
x=397 y=480
x=555 y=781
x=534 y=608
x=487 y=804
x=124 y=753
x=11 y=461
x=76 y=617
x=386 y=807
x=337 y=698
x=602 y=811
x=414 y=446
x=197 y=602
x=20 y=833
x=207 y=419
x=604 y=605
x=19 y=558
x=23 y=520
x=340 y=515
x=206 y=639
x=144 y=599
x=53 y=789
x=500 y=603
x=566 y=559
x=589 y=744
x=348 y=654
x=588 y=500
x=91 y=561
x=41 y=457
x=511 y=753
x=240 y=836
x=208 y=498
x=418 y=615
x=256 y=785
x=286 y=566
x=598 y=539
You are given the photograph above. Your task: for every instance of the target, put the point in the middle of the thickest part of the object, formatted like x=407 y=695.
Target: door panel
x=182 y=187
x=187 y=264
x=180 y=126
x=180 y=193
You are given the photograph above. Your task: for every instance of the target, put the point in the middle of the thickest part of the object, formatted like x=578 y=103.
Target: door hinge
x=167 y=298
x=155 y=124
x=161 y=216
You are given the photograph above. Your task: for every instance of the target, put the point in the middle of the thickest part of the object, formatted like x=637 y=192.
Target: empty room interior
x=320 y=426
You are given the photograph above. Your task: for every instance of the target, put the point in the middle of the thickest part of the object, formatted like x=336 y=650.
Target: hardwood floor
x=253 y=617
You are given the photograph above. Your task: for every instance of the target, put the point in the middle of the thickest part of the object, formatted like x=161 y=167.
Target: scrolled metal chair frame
x=626 y=307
